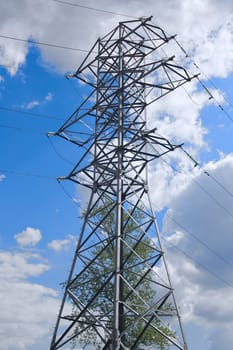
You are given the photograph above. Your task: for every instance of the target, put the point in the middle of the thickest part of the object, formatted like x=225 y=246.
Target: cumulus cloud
x=209 y=41
x=28 y=237
x=199 y=249
x=37 y=102
x=28 y=310
x=31 y=104
x=49 y=97
x=2 y=177
x=64 y=244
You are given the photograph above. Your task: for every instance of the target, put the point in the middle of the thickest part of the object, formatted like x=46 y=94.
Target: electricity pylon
x=124 y=72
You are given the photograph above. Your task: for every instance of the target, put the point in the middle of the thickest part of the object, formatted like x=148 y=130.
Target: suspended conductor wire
x=22 y=129
x=198 y=263
x=209 y=93
x=58 y=153
x=207 y=173
x=34 y=42
x=210 y=195
x=5 y=66
x=211 y=96
x=197 y=66
x=26 y=113
x=204 y=244
x=93 y=8
x=18 y=173
x=223 y=110
x=200 y=241
x=73 y=200
x=213 y=198
x=197 y=164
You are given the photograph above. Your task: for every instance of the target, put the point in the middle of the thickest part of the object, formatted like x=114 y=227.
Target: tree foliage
x=92 y=281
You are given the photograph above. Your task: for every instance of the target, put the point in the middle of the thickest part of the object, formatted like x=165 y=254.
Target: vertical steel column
x=118 y=285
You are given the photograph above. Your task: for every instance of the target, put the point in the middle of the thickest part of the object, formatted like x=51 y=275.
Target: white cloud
x=31 y=104
x=1 y=79
x=202 y=275
x=49 y=97
x=36 y=102
x=20 y=266
x=28 y=310
x=28 y=237
x=210 y=41
x=2 y=177
x=64 y=244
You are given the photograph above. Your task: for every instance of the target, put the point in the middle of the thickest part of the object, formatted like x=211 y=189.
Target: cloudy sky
x=39 y=218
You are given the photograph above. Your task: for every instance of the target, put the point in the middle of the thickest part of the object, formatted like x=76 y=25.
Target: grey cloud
x=78 y=27
x=203 y=282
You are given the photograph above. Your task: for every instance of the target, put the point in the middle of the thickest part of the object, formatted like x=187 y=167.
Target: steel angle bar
x=156 y=328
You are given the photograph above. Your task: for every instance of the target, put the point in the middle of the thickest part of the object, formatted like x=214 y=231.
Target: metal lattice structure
x=119 y=286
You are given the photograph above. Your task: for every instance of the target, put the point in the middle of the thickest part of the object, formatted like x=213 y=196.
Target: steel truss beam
x=123 y=73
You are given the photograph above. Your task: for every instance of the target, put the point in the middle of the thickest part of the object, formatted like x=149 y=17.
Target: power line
x=197 y=183
x=198 y=263
x=9 y=109
x=213 y=198
x=5 y=66
x=196 y=163
x=93 y=8
x=21 y=129
x=18 y=173
x=211 y=96
x=42 y=43
x=57 y=153
x=204 y=244
x=202 y=188
x=72 y=199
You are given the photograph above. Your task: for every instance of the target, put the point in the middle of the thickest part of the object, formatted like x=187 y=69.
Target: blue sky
x=40 y=219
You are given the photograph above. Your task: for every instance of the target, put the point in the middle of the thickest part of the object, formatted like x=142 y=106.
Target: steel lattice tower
x=123 y=73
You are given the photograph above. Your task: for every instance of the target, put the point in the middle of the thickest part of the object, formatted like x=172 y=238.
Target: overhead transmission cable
x=210 y=195
x=191 y=234
x=18 y=173
x=93 y=8
x=58 y=153
x=26 y=113
x=211 y=96
x=30 y=41
x=200 y=241
x=200 y=264
x=207 y=173
x=3 y=126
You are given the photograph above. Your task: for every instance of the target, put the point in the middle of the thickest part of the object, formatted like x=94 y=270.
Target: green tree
x=92 y=280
